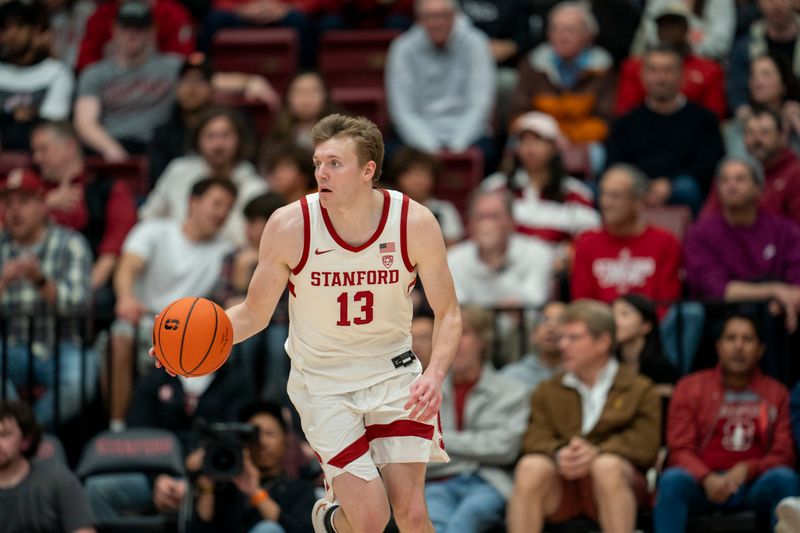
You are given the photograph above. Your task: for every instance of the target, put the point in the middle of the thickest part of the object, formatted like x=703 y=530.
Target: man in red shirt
x=728 y=435
x=703 y=79
x=173 y=23
x=102 y=209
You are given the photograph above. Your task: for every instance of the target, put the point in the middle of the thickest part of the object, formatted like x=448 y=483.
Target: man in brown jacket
x=593 y=430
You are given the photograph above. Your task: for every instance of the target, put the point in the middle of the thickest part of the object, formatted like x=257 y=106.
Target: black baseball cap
x=197 y=61
x=134 y=15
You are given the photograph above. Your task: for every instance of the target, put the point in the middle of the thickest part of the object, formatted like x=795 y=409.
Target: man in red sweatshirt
x=728 y=435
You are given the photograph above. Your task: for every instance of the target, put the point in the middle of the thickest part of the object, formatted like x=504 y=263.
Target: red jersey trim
x=398 y=428
x=404 y=235
x=378 y=231
x=306 y=236
x=290 y=286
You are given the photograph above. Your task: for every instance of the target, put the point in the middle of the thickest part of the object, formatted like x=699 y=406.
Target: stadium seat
x=366 y=101
x=133 y=170
x=461 y=173
x=10 y=160
x=258 y=113
x=270 y=52
x=51 y=449
x=674 y=218
x=354 y=58
x=141 y=450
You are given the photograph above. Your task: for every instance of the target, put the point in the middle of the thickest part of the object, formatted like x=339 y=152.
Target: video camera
x=224 y=444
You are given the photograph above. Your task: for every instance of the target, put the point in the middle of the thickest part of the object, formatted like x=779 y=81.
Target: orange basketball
x=192 y=337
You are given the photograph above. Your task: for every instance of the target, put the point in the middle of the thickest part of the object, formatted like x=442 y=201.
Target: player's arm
x=426 y=250
x=281 y=246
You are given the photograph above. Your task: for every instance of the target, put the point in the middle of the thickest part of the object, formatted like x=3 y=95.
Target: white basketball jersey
x=349 y=306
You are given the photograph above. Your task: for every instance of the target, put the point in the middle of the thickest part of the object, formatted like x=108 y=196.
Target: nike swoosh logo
x=317 y=252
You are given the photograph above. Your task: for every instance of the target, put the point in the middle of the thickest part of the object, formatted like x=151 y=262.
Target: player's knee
x=411 y=515
x=369 y=518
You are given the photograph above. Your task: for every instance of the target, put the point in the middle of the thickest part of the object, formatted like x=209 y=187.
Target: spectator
x=568 y=77
x=124 y=98
x=639 y=342
x=771 y=85
x=194 y=96
x=788 y=511
x=661 y=136
x=440 y=82
x=710 y=26
x=767 y=151
x=33 y=86
x=36 y=495
x=100 y=207
x=179 y=405
x=222 y=149
x=263 y=354
x=45 y=274
x=422 y=336
x=544 y=360
x=263 y=498
x=744 y=253
x=497 y=267
x=289 y=171
x=729 y=437
x=507 y=27
x=703 y=78
x=776 y=33
x=593 y=431
x=416 y=174
x=295 y=14
x=68 y=20
x=548 y=203
x=174 y=32
x=483 y=415
x=163 y=260
x=307 y=101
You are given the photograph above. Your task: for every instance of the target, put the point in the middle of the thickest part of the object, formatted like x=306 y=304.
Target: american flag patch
x=387 y=247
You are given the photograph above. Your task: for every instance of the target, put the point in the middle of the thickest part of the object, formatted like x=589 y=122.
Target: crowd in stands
x=627 y=256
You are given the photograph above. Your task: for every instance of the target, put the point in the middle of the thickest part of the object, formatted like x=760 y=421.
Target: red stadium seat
x=674 y=218
x=259 y=113
x=369 y=102
x=134 y=171
x=270 y=52
x=11 y=160
x=461 y=174
x=354 y=58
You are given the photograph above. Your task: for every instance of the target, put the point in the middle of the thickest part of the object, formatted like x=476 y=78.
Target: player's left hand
x=426 y=397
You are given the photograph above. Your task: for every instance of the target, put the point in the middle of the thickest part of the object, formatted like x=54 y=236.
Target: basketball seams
x=164 y=359
x=213 y=339
x=183 y=335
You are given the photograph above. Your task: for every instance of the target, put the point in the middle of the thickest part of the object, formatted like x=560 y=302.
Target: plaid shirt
x=64 y=257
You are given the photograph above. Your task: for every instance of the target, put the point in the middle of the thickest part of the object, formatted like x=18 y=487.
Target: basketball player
x=350 y=254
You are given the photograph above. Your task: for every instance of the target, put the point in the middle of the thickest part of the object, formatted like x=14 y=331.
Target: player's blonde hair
x=364 y=132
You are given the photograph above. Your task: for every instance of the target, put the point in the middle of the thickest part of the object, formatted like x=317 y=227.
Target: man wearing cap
x=33 y=86
x=44 y=271
x=703 y=79
x=174 y=30
x=124 y=98
x=744 y=253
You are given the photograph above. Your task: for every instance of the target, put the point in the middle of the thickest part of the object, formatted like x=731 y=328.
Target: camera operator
x=262 y=498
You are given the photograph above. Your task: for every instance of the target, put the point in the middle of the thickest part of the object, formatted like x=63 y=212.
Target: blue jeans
x=113 y=496
x=686 y=191
x=679 y=494
x=693 y=316
x=44 y=374
x=464 y=504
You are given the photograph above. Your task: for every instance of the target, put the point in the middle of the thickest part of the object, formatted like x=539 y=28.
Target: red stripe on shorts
x=351 y=453
x=398 y=428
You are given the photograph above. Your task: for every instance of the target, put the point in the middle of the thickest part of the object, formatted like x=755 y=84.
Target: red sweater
x=781 y=194
x=703 y=84
x=692 y=419
x=606 y=266
x=174 y=30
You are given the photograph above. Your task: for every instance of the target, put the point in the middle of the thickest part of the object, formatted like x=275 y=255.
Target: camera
x=224 y=444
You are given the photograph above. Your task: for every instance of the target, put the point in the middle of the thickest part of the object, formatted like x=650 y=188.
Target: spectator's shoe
x=322 y=516
x=788 y=512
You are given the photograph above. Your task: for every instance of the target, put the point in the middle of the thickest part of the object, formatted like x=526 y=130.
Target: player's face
x=271 y=447
x=339 y=174
x=10 y=442
x=738 y=347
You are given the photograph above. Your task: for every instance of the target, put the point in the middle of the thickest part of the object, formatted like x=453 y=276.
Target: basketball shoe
x=322 y=516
